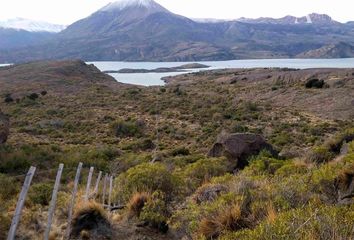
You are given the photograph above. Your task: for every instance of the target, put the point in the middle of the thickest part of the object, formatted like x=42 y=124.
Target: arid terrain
x=220 y=154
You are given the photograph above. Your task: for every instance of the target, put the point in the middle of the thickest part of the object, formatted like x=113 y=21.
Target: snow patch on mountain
x=31 y=25
x=123 y=4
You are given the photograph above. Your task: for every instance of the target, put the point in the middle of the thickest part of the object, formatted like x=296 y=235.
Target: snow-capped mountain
x=31 y=25
x=123 y=4
x=143 y=30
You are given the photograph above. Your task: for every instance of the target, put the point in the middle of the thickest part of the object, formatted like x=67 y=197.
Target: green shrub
x=290 y=168
x=127 y=128
x=203 y=170
x=99 y=157
x=40 y=193
x=323 y=222
x=146 y=177
x=155 y=212
x=9 y=187
x=5 y=221
x=335 y=144
x=18 y=159
x=264 y=164
x=182 y=151
x=320 y=154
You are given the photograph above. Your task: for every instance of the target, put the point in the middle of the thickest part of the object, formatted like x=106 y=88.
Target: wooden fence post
x=20 y=203
x=104 y=189
x=73 y=197
x=110 y=191
x=88 y=185
x=97 y=183
x=53 y=202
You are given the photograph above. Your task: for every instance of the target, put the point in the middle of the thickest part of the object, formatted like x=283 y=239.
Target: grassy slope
x=77 y=121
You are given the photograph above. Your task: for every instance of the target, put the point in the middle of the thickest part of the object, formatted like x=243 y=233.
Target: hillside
x=340 y=50
x=189 y=189
x=13 y=38
x=132 y=31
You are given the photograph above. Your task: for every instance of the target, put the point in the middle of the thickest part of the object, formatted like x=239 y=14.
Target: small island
x=182 y=68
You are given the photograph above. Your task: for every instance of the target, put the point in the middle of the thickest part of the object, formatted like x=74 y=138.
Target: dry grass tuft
x=91 y=218
x=228 y=219
x=84 y=235
x=271 y=213
x=346 y=177
x=137 y=202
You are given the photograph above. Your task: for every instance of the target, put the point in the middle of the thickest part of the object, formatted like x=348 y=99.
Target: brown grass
x=271 y=213
x=345 y=177
x=88 y=217
x=228 y=219
x=137 y=202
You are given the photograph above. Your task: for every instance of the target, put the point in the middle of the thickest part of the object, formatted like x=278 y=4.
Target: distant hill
x=14 y=38
x=20 y=32
x=313 y=18
x=143 y=30
x=58 y=77
x=340 y=50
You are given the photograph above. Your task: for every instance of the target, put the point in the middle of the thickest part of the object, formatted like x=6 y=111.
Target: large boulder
x=239 y=147
x=4 y=127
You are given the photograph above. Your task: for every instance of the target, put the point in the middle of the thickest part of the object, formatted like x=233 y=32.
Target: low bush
x=127 y=128
x=314 y=83
x=146 y=177
x=320 y=154
x=33 y=96
x=155 y=212
x=8 y=99
x=203 y=170
x=9 y=187
x=40 y=193
x=182 y=151
x=323 y=222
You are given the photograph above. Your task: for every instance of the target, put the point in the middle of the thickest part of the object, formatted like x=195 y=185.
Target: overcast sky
x=69 y=11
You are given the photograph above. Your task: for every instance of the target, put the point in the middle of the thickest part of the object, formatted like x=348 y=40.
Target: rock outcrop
x=4 y=128
x=239 y=147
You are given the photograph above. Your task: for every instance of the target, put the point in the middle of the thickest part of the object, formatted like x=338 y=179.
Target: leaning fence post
x=53 y=201
x=73 y=197
x=20 y=203
x=110 y=190
x=88 y=185
x=97 y=182
x=104 y=189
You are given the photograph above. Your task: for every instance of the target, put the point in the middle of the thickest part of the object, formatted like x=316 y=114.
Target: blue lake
x=153 y=79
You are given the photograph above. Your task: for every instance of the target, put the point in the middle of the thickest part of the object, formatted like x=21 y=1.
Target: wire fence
x=91 y=193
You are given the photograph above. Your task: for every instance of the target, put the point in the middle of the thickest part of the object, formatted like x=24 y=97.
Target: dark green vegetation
x=304 y=193
x=152 y=33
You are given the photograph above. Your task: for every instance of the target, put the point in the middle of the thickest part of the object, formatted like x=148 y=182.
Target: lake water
x=153 y=79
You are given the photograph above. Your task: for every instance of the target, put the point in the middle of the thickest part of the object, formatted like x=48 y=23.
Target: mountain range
x=143 y=30
x=20 y=32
